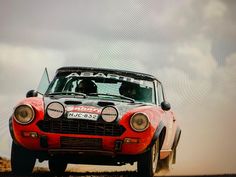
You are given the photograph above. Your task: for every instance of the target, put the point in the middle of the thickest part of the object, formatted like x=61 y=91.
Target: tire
x=166 y=163
x=22 y=160
x=57 y=166
x=174 y=148
x=147 y=164
x=171 y=159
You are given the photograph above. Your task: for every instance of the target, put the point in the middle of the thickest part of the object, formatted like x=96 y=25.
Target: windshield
x=103 y=87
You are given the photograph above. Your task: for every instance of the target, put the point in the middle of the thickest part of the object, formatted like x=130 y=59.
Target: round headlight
x=109 y=114
x=24 y=114
x=139 y=122
x=55 y=110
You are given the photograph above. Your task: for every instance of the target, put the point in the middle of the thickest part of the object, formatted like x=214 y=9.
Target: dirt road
x=73 y=174
x=5 y=171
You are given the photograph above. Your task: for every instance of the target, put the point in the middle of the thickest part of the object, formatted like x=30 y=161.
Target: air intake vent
x=105 y=103
x=69 y=102
x=81 y=143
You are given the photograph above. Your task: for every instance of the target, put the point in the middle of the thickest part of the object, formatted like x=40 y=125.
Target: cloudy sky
x=189 y=45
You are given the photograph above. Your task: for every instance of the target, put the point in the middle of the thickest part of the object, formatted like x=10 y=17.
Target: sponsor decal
x=111 y=76
x=85 y=109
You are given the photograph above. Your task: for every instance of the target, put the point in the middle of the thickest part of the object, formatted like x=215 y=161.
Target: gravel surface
x=5 y=165
x=5 y=171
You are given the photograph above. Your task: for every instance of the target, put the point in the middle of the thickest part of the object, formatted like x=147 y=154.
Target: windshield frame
x=112 y=77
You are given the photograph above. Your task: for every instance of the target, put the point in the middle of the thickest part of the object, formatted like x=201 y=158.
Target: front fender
x=177 y=138
x=159 y=133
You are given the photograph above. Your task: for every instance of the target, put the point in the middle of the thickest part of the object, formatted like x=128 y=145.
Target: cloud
x=214 y=10
x=25 y=64
x=194 y=57
x=225 y=81
x=65 y=22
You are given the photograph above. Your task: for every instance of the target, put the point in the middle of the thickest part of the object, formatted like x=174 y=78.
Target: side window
x=159 y=92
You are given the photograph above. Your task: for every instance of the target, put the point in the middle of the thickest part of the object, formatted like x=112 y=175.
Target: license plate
x=81 y=115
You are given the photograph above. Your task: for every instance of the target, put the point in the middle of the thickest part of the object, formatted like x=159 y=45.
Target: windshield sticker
x=110 y=76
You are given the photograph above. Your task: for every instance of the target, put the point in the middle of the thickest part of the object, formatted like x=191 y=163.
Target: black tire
x=57 y=166
x=174 y=147
x=171 y=159
x=166 y=163
x=22 y=160
x=147 y=164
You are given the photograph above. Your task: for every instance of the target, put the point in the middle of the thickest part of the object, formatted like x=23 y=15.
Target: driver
x=129 y=90
x=86 y=86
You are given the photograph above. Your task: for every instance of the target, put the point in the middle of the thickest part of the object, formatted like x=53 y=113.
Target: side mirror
x=31 y=93
x=165 y=106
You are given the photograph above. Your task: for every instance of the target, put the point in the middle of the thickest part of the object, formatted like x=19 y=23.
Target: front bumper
x=33 y=138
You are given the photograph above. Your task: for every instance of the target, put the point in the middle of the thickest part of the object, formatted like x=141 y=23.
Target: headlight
x=55 y=110
x=139 y=122
x=109 y=114
x=24 y=114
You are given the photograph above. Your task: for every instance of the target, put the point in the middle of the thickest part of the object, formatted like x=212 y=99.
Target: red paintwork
x=155 y=114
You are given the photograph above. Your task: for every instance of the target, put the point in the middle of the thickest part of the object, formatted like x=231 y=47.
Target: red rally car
x=94 y=116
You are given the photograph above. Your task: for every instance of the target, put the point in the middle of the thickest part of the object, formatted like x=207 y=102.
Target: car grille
x=85 y=127
x=81 y=143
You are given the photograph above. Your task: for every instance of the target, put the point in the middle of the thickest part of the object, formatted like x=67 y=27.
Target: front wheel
x=166 y=163
x=57 y=166
x=147 y=164
x=22 y=160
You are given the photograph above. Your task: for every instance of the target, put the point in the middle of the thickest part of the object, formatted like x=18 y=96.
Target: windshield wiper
x=118 y=96
x=68 y=93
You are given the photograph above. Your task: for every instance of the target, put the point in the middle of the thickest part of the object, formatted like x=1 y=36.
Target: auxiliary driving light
x=109 y=114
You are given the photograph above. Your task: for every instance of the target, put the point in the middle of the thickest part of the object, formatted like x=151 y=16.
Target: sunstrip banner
x=110 y=76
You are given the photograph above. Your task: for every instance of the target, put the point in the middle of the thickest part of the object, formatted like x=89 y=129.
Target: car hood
x=92 y=105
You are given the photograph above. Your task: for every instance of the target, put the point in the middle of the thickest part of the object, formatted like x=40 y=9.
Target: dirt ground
x=5 y=170
x=72 y=171
x=5 y=165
